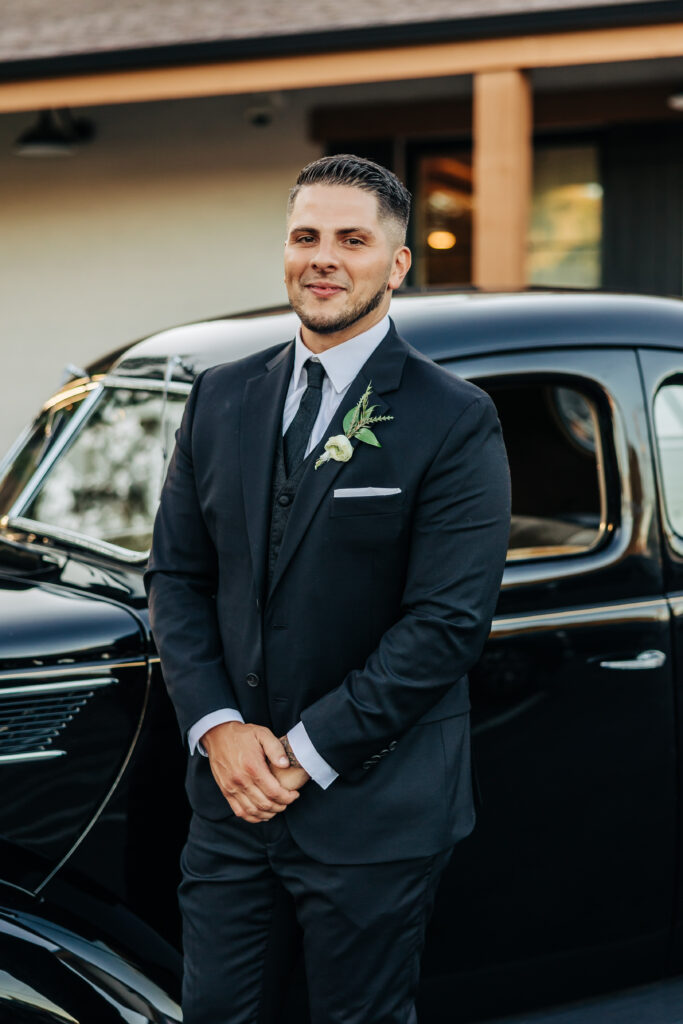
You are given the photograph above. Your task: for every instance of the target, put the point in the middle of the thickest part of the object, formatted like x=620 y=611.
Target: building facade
x=542 y=142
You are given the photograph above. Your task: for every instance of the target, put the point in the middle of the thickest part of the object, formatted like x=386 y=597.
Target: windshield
x=105 y=484
x=41 y=440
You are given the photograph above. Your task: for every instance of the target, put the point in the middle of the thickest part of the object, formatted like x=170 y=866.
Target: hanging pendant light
x=55 y=133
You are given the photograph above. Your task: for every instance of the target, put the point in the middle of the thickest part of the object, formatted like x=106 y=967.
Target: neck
x=322 y=342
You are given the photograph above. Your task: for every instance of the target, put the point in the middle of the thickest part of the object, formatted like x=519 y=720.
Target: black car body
x=570 y=881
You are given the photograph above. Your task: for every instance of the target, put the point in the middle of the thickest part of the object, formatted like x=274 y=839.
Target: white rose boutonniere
x=356 y=424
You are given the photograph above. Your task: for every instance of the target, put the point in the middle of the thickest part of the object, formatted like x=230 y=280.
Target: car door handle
x=646 y=659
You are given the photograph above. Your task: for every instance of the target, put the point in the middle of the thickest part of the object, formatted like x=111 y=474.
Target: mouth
x=324 y=291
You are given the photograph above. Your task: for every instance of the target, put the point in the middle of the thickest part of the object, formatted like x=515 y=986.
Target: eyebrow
x=340 y=231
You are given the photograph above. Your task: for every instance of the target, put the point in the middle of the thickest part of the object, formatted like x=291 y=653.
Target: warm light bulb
x=440 y=239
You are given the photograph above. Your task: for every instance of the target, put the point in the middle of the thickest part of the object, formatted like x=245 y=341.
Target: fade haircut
x=393 y=198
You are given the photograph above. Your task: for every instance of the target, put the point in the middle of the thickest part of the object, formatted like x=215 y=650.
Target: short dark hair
x=393 y=198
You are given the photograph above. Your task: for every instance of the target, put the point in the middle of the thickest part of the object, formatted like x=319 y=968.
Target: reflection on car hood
x=45 y=626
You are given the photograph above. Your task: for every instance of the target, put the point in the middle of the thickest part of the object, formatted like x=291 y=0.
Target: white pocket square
x=364 y=492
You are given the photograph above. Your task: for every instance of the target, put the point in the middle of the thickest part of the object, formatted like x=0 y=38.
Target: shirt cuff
x=196 y=731
x=309 y=758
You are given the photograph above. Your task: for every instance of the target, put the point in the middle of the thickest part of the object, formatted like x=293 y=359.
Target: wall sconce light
x=55 y=133
x=441 y=239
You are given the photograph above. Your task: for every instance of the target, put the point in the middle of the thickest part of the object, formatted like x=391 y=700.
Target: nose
x=324 y=256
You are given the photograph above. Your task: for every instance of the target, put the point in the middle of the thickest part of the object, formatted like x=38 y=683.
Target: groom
x=325 y=566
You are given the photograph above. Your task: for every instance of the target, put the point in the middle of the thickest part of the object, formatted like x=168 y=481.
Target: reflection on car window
x=553 y=443
x=42 y=437
x=669 y=430
x=106 y=485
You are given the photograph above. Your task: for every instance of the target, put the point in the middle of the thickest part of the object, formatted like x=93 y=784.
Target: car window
x=553 y=441
x=106 y=484
x=39 y=442
x=668 y=409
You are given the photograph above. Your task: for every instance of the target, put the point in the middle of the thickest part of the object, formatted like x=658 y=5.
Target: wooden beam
x=598 y=46
x=389 y=120
x=576 y=108
x=502 y=178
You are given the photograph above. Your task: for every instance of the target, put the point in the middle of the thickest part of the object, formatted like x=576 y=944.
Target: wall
x=174 y=212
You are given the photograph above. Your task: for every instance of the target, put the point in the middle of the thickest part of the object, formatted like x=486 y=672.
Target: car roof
x=442 y=325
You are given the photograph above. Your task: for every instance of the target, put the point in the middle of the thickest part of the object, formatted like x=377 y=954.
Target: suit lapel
x=383 y=369
x=261 y=420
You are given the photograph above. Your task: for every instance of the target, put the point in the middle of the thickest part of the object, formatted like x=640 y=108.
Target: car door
x=662 y=373
x=571 y=867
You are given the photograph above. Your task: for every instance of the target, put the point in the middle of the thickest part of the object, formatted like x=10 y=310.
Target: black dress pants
x=363 y=926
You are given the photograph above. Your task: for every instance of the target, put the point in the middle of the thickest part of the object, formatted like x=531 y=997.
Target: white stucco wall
x=174 y=212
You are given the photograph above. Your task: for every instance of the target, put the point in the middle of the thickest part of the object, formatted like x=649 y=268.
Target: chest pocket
x=367 y=505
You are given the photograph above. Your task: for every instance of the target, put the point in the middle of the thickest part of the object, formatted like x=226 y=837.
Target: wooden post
x=502 y=121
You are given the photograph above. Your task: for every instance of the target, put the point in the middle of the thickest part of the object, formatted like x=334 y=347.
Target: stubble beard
x=343 y=322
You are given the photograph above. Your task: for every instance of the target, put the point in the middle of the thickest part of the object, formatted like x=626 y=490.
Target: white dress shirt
x=342 y=364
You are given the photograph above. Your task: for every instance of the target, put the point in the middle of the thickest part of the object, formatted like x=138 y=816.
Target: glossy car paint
x=570 y=878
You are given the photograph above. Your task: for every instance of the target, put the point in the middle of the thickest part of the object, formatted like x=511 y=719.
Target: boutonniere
x=356 y=424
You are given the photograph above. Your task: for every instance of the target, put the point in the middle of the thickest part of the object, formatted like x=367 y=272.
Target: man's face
x=342 y=262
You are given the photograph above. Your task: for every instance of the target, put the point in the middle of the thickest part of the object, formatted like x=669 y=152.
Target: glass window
x=43 y=435
x=443 y=218
x=669 y=430
x=565 y=232
x=106 y=485
x=554 y=449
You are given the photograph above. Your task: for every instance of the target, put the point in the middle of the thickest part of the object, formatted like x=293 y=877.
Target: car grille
x=33 y=717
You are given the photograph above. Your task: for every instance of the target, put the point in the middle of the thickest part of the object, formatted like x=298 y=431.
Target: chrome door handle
x=646 y=659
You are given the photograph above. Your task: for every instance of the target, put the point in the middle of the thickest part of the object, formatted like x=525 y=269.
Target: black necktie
x=298 y=432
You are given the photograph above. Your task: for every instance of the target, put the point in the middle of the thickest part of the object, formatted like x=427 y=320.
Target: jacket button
x=253 y=679
x=284 y=499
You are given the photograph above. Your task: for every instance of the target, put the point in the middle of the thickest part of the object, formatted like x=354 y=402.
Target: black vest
x=282 y=492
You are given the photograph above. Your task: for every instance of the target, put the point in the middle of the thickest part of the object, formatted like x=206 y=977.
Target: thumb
x=274 y=750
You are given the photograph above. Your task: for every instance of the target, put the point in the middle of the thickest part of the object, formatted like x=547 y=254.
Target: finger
x=260 y=777
x=246 y=809
x=273 y=749
x=264 y=806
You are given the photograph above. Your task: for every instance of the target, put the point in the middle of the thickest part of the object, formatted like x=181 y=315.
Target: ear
x=401 y=266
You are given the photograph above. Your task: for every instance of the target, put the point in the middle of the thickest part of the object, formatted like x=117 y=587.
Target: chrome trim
x=663 y=379
x=656 y=609
x=73 y=670
x=100 y=547
x=176 y=387
x=36 y=755
x=644 y=660
x=55 y=452
x=81 y=684
x=70 y=393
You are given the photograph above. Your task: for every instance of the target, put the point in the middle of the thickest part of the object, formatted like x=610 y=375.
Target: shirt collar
x=343 y=362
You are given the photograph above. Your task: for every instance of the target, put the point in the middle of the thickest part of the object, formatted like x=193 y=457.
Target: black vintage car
x=571 y=880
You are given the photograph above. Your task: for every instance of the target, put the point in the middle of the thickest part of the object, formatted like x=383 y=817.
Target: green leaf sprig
x=358 y=419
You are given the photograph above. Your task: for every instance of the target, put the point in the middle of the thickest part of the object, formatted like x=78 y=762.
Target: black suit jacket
x=377 y=608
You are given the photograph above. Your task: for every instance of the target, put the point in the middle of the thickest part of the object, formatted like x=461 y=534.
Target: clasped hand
x=252 y=770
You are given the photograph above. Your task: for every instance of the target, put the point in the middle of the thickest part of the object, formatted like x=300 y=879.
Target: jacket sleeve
x=459 y=541
x=181 y=582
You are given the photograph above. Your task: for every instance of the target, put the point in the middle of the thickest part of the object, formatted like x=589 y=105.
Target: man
x=321 y=581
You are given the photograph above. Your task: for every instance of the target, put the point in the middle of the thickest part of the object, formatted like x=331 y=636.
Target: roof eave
x=321 y=41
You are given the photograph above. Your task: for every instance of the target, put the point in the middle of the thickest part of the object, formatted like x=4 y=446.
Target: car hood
x=47 y=625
